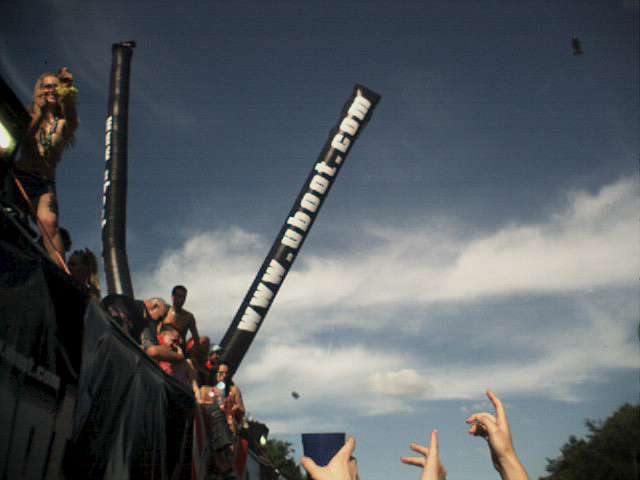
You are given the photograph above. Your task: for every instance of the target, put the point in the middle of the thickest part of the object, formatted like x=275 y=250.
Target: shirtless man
x=53 y=123
x=180 y=318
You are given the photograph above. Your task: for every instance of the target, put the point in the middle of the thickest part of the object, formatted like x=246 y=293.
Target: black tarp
x=41 y=313
x=132 y=421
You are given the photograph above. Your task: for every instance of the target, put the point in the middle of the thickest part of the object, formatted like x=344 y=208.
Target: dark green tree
x=281 y=455
x=611 y=450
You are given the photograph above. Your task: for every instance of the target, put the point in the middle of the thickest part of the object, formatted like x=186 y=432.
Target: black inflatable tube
x=267 y=283
x=114 y=213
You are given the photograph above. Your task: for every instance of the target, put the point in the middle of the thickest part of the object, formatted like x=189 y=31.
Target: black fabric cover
x=127 y=313
x=41 y=310
x=132 y=421
x=41 y=326
x=26 y=307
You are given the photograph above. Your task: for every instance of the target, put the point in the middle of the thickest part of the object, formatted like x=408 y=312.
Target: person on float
x=181 y=370
x=83 y=267
x=198 y=354
x=54 y=121
x=212 y=363
x=233 y=406
x=154 y=310
x=181 y=318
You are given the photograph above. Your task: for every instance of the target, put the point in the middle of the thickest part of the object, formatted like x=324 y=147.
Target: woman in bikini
x=53 y=123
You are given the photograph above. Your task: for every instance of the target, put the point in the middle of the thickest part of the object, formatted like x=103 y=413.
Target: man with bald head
x=141 y=320
x=156 y=311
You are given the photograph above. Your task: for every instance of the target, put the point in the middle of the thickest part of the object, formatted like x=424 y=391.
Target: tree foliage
x=281 y=455
x=611 y=450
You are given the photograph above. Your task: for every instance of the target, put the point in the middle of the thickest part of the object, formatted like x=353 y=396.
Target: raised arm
x=496 y=430
x=68 y=93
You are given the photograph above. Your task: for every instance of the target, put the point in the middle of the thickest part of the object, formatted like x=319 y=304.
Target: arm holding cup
x=337 y=469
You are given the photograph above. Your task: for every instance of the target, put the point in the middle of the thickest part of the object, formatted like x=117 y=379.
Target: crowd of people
x=168 y=334
x=197 y=365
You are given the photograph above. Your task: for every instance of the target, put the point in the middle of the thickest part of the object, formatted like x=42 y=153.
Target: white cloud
x=586 y=255
x=357 y=380
x=587 y=244
x=398 y=383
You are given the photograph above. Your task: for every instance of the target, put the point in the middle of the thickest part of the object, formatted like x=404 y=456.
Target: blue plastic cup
x=321 y=447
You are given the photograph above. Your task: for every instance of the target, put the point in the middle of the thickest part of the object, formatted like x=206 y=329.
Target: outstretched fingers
x=416 y=461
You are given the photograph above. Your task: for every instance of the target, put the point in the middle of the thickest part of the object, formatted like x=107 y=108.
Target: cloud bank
x=585 y=257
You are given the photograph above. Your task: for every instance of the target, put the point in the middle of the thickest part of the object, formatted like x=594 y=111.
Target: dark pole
x=284 y=250
x=114 y=213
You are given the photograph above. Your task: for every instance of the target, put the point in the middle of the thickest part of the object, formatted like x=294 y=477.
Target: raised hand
x=65 y=76
x=495 y=429
x=337 y=469
x=432 y=468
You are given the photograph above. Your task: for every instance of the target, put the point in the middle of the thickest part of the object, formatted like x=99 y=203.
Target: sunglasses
x=48 y=85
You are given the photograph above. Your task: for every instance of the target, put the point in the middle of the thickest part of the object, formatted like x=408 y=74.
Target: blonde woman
x=54 y=121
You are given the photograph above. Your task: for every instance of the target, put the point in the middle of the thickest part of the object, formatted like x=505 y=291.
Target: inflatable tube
x=284 y=250
x=114 y=192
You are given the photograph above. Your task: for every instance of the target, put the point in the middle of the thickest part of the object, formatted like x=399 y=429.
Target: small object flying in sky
x=576 y=45
x=295 y=394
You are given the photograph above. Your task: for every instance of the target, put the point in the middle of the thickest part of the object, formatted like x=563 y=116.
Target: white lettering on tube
x=310 y=202
x=319 y=184
x=262 y=296
x=250 y=320
x=300 y=220
x=274 y=273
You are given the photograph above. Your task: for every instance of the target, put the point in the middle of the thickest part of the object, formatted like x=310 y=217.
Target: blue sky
x=482 y=233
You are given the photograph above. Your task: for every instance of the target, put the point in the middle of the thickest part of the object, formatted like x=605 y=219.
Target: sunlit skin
x=237 y=410
x=180 y=318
